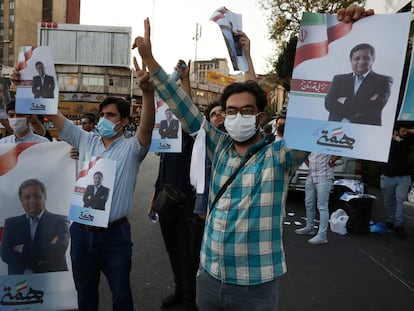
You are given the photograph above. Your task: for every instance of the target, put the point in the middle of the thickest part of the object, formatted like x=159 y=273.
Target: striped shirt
x=127 y=154
x=242 y=241
x=319 y=169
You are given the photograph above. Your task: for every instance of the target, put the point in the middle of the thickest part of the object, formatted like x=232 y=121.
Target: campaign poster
x=407 y=109
x=345 y=85
x=229 y=24
x=38 y=89
x=166 y=135
x=35 y=266
x=92 y=195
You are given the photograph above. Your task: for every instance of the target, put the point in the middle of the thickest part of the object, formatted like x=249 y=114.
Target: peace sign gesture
x=143 y=76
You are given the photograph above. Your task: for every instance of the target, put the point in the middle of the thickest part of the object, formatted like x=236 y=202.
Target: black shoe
x=389 y=225
x=399 y=231
x=171 y=301
x=190 y=306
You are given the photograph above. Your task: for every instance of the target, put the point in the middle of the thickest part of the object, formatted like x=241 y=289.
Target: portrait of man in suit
x=35 y=242
x=43 y=85
x=96 y=195
x=360 y=96
x=169 y=127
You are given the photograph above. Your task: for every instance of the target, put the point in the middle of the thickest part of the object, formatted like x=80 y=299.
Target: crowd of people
x=224 y=240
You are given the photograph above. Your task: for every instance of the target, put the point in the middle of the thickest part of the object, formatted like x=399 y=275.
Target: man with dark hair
x=242 y=253
x=88 y=122
x=43 y=85
x=280 y=127
x=360 y=96
x=22 y=132
x=109 y=250
x=37 y=241
x=169 y=127
x=96 y=195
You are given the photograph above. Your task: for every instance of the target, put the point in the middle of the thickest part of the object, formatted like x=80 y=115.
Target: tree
x=285 y=16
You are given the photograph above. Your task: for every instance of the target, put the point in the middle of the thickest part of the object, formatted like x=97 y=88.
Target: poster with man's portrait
x=92 y=195
x=229 y=24
x=345 y=85
x=36 y=180
x=38 y=90
x=166 y=135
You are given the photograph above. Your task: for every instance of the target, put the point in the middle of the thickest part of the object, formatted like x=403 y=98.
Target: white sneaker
x=318 y=240
x=305 y=230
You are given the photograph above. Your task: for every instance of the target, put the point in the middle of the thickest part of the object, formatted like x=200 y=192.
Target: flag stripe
x=310 y=51
x=9 y=159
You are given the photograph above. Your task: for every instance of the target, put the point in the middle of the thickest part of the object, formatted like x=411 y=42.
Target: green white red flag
x=317 y=31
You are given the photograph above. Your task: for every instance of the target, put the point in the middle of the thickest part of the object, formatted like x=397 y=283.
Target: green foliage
x=284 y=63
x=285 y=16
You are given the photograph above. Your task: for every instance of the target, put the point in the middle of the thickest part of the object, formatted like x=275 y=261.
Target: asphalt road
x=360 y=272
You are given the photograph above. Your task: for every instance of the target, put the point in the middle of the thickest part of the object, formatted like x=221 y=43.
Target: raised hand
x=352 y=13
x=143 y=77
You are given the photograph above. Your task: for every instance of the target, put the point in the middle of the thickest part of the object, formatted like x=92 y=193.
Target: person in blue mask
x=108 y=250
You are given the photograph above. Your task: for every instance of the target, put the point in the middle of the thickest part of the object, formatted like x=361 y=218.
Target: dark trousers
x=175 y=231
x=108 y=251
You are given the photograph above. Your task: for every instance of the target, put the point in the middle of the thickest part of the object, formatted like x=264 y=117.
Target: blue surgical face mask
x=106 y=127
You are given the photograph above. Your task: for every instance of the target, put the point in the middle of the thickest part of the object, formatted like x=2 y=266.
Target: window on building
x=11 y=18
x=47 y=13
x=68 y=78
x=12 y=4
x=119 y=82
x=93 y=80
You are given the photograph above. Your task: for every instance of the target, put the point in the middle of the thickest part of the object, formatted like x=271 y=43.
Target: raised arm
x=245 y=43
x=144 y=132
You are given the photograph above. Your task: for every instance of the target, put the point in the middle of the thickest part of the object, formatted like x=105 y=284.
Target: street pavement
x=359 y=272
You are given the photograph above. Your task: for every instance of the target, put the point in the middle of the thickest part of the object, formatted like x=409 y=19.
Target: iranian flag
x=316 y=32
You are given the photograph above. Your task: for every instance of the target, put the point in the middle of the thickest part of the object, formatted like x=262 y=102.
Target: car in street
x=345 y=168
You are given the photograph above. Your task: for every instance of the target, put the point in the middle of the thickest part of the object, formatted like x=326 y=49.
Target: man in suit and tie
x=35 y=242
x=360 y=96
x=96 y=195
x=43 y=85
x=169 y=127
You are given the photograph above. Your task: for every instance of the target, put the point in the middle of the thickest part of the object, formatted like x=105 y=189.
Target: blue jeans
x=395 y=190
x=319 y=193
x=212 y=295
x=108 y=251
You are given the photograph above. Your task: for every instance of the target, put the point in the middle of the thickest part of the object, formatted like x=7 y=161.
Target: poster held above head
x=38 y=90
x=230 y=23
x=345 y=85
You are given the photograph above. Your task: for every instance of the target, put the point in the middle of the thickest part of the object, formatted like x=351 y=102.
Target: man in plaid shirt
x=242 y=254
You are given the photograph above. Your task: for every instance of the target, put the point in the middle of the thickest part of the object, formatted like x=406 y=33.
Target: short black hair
x=32 y=182
x=11 y=105
x=89 y=116
x=123 y=106
x=249 y=86
x=362 y=46
x=98 y=173
x=209 y=108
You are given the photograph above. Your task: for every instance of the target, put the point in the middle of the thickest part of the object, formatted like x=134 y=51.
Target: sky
x=173 y=27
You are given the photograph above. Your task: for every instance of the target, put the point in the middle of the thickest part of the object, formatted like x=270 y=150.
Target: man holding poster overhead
x=360 y=96
x=108 y=250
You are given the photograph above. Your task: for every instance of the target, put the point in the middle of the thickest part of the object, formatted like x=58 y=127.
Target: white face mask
x=241 y=128
x=19 y=125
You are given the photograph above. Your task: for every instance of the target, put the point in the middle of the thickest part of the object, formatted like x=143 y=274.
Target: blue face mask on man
x=106 y=128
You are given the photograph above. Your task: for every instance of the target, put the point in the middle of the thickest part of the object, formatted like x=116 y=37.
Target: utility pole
x=196 y=38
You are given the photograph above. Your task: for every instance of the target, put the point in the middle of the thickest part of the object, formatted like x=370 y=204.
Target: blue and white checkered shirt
x=127 y=154
x=242 y=241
